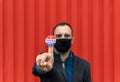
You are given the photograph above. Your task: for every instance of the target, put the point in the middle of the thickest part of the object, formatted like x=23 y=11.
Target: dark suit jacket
x=81 y=72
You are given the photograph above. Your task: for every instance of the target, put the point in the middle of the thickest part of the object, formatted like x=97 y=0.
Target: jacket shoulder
x=81 y=61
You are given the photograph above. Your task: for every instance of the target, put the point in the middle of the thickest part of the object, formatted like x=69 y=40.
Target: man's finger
x=50 y=49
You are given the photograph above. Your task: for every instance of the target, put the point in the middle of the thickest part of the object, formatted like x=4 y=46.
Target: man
x=60 y=64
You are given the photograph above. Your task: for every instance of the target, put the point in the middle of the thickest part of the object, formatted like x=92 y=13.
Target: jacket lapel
x=75 y=68
x=61 y=69
x=63 y=72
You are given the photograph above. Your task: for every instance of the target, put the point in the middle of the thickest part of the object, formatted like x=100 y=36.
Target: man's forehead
x=63 y=30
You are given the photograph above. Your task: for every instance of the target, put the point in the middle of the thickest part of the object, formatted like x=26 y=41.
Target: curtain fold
x=24 y=24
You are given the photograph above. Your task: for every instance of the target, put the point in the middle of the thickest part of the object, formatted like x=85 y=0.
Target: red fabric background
x=24 y=24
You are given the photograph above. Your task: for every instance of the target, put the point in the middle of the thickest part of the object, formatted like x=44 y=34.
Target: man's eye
x=58 y=35
x=67 y=35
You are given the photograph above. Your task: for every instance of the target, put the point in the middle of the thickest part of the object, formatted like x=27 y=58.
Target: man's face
x=64 y=38
x=63 y=32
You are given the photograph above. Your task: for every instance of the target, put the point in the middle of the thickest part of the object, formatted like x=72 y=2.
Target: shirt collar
x=57 y=56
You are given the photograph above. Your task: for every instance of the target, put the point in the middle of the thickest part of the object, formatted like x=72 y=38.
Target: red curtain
x=24 y=24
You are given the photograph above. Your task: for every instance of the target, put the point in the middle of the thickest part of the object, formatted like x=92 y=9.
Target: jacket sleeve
x=87 y=74
x=37 y=72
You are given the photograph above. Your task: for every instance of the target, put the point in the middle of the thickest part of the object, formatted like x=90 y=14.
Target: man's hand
x=45 y=60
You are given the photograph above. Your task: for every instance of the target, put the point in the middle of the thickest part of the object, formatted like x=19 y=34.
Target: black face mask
x=62 y=45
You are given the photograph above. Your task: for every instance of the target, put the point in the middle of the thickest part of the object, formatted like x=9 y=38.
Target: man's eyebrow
x=66 y=34
x=58 y=34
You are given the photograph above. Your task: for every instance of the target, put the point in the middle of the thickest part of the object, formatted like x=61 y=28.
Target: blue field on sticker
x=50 y=43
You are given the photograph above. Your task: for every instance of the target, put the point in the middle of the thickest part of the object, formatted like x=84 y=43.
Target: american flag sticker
x=50 y=40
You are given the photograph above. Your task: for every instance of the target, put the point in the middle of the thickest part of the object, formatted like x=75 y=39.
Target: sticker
x=50 y=40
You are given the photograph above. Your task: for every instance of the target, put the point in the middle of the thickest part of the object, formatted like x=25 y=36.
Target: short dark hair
x=62 y=24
